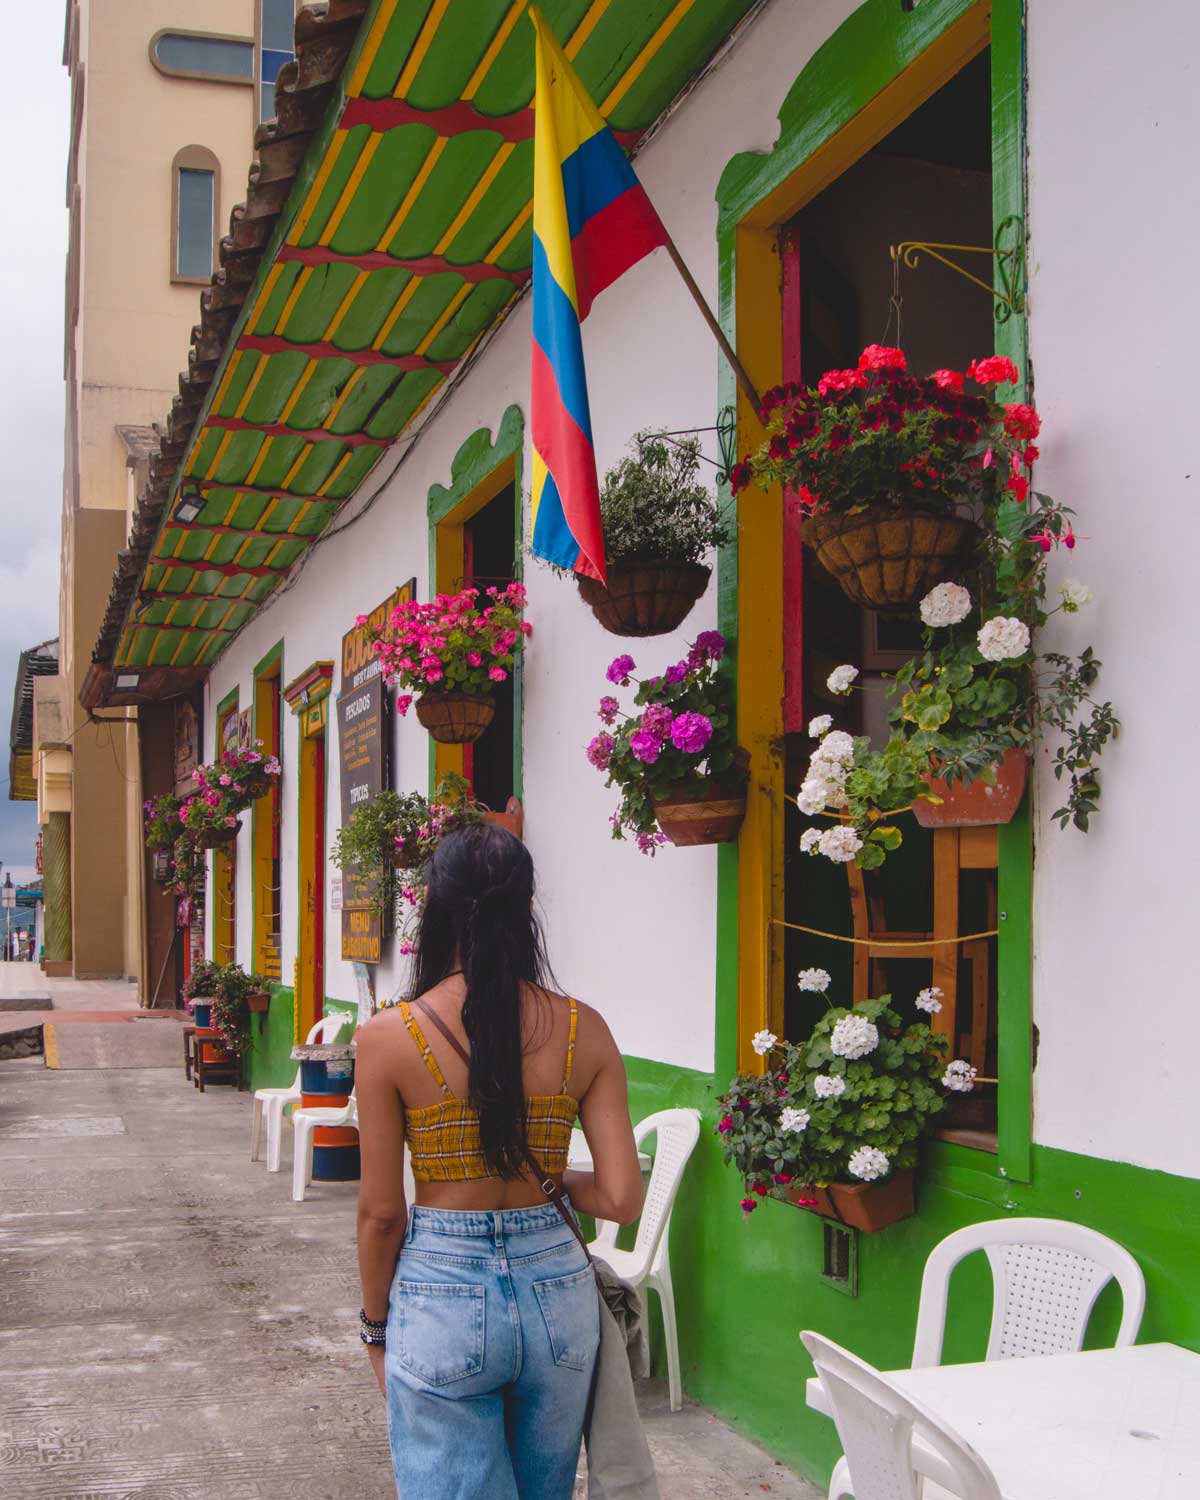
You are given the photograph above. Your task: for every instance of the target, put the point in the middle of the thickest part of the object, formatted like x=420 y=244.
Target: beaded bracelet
x=372 y=1332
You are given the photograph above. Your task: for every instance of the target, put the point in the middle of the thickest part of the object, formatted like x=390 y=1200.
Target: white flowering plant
x=850 y=1104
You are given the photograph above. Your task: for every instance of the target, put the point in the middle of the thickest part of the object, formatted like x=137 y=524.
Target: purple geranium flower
x=711 y=643
x=691 y=732
x=645 y=745
x=657 y=719
x=678 y=672
x=619 y=669
x=599 y=752
x=608 y=710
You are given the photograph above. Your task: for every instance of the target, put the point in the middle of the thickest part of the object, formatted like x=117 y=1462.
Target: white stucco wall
x=1113 y=210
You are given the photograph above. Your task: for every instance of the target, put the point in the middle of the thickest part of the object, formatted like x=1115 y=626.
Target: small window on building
x=276 y=46
x=206 y=55
x=194 y=228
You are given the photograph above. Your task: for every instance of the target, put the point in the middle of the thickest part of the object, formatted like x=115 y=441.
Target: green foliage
x=162 y=821
x=891 y=1096
x=231 y=991
x=201 y=983
x=653 y=507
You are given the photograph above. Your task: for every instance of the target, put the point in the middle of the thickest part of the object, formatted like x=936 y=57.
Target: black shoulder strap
x=430 y=1014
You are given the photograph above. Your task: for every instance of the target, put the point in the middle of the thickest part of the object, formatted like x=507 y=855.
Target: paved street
x=173 y=1327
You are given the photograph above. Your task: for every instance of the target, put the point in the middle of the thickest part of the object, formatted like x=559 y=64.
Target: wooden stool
x=222 y=1069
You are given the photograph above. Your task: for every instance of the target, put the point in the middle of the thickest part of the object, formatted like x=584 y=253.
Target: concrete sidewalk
x=173 y=1327
x=83 y=1023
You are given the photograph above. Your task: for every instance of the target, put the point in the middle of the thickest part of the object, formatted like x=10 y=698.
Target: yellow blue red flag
x=592 y=221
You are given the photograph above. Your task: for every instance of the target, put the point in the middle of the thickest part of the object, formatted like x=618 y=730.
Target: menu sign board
x=363 y=764
x=359 y=662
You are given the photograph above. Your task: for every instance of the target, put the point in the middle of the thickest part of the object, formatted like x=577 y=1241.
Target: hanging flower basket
x=258 y=783
x=645 y=598
x=713 y=818
x=258 y=1000
x=887 y=559
x=455 y=718
x=982 y=803
x=217 y=834
x=862 y=1205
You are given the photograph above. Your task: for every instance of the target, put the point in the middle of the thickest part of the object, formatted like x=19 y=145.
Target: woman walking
x=480 y=1310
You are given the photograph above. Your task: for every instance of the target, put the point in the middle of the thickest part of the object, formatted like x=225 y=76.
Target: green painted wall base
x=745 y=1288
x=270 y=1057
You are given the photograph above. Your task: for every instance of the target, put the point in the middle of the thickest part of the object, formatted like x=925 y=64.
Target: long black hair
x=479 y=918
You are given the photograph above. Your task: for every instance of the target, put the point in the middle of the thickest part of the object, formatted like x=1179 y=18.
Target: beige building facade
x=165 y=97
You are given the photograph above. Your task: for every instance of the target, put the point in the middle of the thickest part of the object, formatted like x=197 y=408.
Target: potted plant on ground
x=231 y=1007
x=834 y=1123
x=676 y=761
x=659 y=525
x=198 y=990
x=449 y=654
x=894 y=471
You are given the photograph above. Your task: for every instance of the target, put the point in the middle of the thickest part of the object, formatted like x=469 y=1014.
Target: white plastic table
x=580 y=1158
x=1107 y=1424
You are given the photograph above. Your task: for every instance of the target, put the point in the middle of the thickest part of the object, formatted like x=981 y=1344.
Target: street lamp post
x=8 y=893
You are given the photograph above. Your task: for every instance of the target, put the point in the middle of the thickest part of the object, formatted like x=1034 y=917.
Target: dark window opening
x=489 y=561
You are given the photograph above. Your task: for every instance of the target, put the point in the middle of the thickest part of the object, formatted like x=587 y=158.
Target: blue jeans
x=492 y=1337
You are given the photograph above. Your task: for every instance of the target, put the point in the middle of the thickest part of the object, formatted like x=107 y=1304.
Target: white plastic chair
x=649 y=1262
x=306 y=1121
x=878 y=1426
x=1046 y=1276
x=273 y=1102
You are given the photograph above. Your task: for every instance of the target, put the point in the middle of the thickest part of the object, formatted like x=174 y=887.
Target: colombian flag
x=591 y=222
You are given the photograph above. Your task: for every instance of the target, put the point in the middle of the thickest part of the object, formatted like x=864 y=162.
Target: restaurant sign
x=359 y=663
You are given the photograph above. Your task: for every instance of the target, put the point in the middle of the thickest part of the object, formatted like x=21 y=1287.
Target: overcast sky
x=34 y=116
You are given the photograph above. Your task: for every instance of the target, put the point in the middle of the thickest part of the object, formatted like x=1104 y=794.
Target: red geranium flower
x=995 y=370
x=949 y=380
x=840 y=381
x=882 y=357
x=1022 y=422
x=1019 y=486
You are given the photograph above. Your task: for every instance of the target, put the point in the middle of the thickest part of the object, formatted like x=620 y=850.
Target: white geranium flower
x=947 y=604
x=841 y=678
x=836 y=798
x=817 y=980
x=836 y=749
x=809 y=839
x=793 y=1120
x=829 y=1085
x=763 y=1041
x=811 y=797
x=854 y=1036
x=822 y=724
x=1003 y=638
x=867 y=1163
x=930 y=999
x=840 y=844
x=1074 y=595
x=959 y=1076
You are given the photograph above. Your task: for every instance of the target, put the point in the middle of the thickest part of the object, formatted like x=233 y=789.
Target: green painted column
x=56 y=874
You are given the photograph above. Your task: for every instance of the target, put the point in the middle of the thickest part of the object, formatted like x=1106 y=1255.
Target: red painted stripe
x=310 y=434
x=183 y=597
x=571 y=459
x=205 y=485
x=612 y=241
x=380 y=260
x=230 y=570
x=453 y=119
x=274 y=343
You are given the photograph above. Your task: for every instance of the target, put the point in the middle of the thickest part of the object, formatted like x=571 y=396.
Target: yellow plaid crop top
x=444 y=1138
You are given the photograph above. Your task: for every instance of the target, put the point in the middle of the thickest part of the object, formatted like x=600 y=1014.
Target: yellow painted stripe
x=220 y=453
x=585 y=28
x=347 y=194
x=259 y=371
x=323 y=489
x=273 y=276
x=509 y=234
x=175 y=655
x=260 y=459
x=411 y=196
x=476 y=193
x=420 y=47
x=298 y=517
x=295 y=469
x=344 y=305
x=644 y=58
x=451 y=308
x=314 y=193
x=371 y=48
x=344 y=396
x=50 y=1045
x=393 y=317
x=298 y=389
x=230 y=371
x=293 y=298
x=516 y=10
x=233 y=505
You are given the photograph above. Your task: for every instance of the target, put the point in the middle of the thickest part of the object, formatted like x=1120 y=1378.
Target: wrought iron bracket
x=1008 y=253
x=726 y=431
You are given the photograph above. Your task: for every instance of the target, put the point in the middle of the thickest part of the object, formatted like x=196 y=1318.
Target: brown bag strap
x=430 y=1014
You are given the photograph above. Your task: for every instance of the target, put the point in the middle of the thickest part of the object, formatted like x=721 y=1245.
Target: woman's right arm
x=613 y=1189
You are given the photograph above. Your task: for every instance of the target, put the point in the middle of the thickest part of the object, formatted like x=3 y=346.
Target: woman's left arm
x=382 y=1210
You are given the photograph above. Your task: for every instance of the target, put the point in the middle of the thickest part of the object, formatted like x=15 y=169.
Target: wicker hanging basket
x=645 y=598
x=862 y=1205
x=258 y=785
x=714 y=819
x=888 y=559
x=214 y=837
x=980 y=805
x=455 y=718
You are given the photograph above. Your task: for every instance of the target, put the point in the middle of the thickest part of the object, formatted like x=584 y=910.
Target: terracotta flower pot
x=455 y=718
x=258 y=1000
x=512 y=818
x=645 y=598
x=212 y=838
x=862 y=1205
x=714 y=819
x=887 y=559
x=980 y=803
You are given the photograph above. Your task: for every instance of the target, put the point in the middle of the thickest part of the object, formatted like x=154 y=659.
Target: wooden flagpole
x=718 y=332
